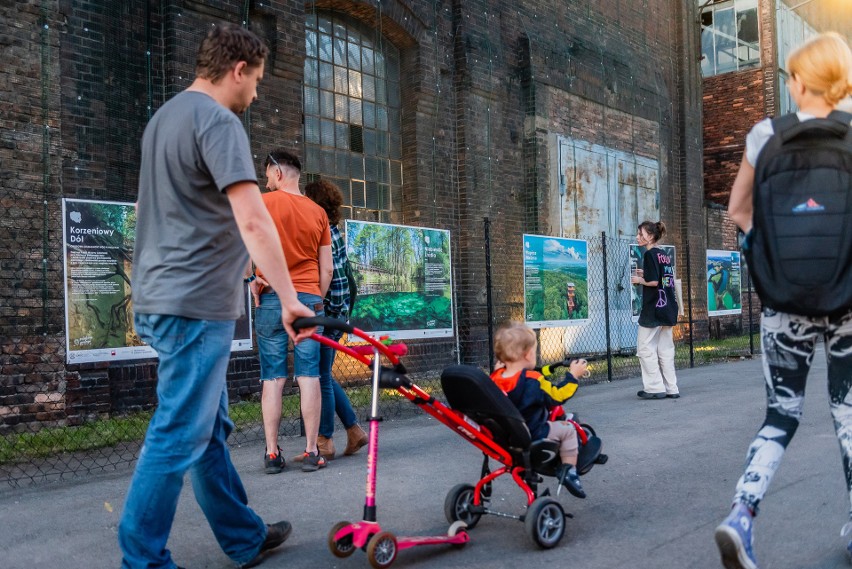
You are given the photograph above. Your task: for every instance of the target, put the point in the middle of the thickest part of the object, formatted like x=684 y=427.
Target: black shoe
x=568 y=477
x=673 y=395
x=276 y=534
x=274 y=463
x=645 y=395
x=313 y=461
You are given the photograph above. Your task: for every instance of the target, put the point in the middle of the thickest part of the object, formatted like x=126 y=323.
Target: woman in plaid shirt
x=334 y=398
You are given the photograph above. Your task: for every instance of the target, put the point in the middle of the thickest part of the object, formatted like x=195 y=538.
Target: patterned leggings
x=788 y=343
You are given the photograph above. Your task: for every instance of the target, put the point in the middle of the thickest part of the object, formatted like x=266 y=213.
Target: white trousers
x=656 y=352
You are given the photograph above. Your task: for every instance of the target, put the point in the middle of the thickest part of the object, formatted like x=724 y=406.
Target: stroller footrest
x=589 y=454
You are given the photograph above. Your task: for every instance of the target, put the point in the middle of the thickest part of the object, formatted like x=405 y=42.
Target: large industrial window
x=793 y=31
x=729 y=36
x=352 y=114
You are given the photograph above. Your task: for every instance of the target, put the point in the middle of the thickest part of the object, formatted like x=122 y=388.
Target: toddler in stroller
x=496 y=426
x=536 y=395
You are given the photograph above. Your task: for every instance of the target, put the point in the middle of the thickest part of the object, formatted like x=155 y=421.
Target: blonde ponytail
x=823 y=64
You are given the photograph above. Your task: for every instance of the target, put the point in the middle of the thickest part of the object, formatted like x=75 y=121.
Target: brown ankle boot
x=355 y=439
x=326 y=447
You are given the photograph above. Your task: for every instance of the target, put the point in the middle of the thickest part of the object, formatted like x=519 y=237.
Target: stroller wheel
x=342 y=547
x=545 y=522
x=381 y=551
x=458 y=504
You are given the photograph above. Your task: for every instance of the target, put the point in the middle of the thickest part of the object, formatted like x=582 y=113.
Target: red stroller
x=483 y=415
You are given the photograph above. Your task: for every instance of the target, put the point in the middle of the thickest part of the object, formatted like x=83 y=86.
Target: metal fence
x=606 y=336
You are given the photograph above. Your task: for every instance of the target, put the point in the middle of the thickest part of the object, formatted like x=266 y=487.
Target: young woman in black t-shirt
x=655 y=345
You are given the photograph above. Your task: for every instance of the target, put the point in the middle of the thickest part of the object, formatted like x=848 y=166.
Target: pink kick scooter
x=344 y=538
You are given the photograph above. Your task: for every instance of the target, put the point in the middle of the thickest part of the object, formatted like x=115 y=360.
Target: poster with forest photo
x=98 y=243
x=556 y=281
x=404 y=278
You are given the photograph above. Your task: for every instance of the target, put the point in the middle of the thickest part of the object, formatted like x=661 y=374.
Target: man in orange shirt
x=305 y=237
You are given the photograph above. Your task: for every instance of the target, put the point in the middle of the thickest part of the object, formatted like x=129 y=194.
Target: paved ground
x=672 y=469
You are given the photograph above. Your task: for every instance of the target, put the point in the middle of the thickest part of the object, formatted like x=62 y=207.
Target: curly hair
x=224 y=46
x=328 y=197
x=512 y=341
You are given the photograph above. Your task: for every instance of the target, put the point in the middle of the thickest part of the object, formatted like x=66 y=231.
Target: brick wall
x=484 y=84
x=733 y=103
x=31 y=326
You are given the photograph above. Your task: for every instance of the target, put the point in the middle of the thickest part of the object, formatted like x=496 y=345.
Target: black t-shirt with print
x=659 y=304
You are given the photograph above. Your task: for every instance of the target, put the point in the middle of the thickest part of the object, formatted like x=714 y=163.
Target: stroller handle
x=324 y=321
x=392 y=352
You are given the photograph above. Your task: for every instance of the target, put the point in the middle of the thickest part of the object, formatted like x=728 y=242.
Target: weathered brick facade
x=733 y=103
x=485 y=84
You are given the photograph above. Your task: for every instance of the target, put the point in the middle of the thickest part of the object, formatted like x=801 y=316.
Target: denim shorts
x=272 y=339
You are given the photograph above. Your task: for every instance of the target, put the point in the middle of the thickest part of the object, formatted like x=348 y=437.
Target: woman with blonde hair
x=820 y=77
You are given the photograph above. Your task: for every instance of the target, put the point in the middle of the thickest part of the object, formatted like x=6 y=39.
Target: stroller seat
x=473 y=393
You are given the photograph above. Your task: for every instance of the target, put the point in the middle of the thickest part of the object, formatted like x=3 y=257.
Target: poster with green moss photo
x=404 y=279
x=556 y=281
x=98 y=242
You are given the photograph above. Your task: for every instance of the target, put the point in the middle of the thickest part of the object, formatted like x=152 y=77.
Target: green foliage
x=402 y=311
x=92 y=435
x=551 y=302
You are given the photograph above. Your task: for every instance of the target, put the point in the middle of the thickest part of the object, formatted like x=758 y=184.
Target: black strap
x=835 y=125
x=841 y=116
x=783 y=123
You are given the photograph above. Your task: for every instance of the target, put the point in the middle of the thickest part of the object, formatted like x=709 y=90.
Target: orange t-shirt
x=303 y=228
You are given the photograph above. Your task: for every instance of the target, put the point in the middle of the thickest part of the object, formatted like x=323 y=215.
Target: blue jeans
x=272 y=339
x=334 y=399
x=187 y=432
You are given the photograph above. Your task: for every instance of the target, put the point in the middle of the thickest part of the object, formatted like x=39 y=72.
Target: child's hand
x=579 y=368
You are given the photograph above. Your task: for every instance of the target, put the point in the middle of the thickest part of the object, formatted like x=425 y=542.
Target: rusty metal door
x=604 y=189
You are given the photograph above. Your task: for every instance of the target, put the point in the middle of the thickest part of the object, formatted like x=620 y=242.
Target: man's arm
x=740 y=206
x=261 y=239
x=326 y=268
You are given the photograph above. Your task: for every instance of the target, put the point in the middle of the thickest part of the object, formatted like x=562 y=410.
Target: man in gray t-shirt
x=199 y=209
x=188 y=244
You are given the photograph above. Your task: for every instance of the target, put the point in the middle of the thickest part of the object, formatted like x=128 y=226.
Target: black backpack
x=800 y=249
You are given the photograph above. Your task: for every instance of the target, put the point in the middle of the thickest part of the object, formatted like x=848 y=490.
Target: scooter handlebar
x=324 y=321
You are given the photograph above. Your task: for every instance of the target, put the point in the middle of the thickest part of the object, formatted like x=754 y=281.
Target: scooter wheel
x=343 y=547
x=382 y=550
x=456 y=528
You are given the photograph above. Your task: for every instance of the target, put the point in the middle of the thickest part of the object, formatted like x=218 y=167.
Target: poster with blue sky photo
x=556 y=281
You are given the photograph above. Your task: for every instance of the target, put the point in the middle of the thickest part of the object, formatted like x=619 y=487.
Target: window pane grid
x=352 y=113
x=729 y=36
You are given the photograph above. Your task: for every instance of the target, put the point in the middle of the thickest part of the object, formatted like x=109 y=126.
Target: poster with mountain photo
x=556 y=281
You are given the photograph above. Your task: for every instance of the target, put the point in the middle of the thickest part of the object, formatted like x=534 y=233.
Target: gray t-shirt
x=189 y=257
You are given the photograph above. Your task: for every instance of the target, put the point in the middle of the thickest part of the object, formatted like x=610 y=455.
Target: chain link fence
x=84 y=79
x=604 y=333
x=606 y=310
